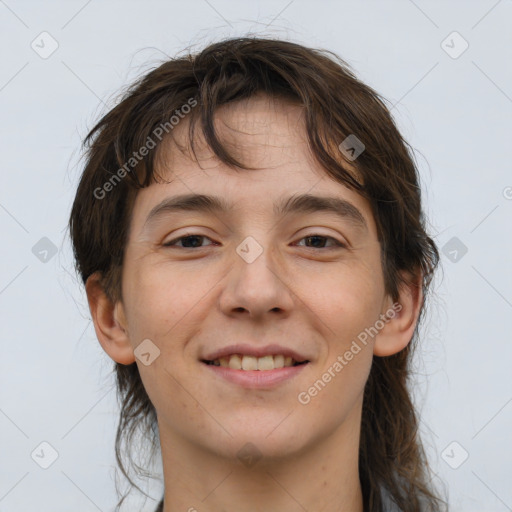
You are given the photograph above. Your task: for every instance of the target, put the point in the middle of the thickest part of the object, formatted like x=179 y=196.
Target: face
x=257 y=279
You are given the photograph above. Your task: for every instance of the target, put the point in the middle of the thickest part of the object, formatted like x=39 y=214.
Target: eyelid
x=338 y=243
x=339 y=239
x=186 y=235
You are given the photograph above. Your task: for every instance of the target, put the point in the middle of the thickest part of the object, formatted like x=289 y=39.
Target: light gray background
x=56 y=384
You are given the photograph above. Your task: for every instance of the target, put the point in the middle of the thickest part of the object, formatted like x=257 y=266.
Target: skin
x=313 y=299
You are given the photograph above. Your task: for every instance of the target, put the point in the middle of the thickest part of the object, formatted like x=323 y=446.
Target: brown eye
x=318 y=242
x=188 y=242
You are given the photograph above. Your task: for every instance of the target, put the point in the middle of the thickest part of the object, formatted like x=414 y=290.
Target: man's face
x=307 y=282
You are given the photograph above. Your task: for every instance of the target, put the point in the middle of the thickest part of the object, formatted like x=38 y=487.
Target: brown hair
x=335 y=105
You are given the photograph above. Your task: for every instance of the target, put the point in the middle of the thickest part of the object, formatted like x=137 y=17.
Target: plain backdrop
x=451 y=96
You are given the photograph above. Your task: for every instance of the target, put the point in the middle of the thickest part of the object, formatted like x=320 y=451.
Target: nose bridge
x=255 y=280
x=256 y=259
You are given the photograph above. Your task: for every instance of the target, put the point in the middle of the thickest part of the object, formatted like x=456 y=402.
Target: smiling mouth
x=245 y=362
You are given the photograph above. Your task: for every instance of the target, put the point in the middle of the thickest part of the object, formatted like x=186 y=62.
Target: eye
x=189 y=241
x=194 y=241
x=316 y=240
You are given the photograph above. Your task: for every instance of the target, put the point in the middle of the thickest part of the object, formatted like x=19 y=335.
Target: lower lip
x=257 y=379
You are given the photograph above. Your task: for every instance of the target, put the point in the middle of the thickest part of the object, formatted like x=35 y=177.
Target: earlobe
x=109 y=322
x=403 y=317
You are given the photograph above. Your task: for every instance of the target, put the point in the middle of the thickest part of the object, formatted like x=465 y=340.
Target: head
x=292 y=147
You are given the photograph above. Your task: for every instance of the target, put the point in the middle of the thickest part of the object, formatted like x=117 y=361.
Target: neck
x=325 y=477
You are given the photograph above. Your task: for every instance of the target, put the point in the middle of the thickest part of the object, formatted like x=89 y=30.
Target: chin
x=262 y=447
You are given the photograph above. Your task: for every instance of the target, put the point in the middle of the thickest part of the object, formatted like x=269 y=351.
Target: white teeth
x=235 y=362
x=265 y=363
x=279 y=361
x=238 y=362
x=249 y=363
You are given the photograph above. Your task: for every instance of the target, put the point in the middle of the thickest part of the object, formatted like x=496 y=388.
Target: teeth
x=238 y=362
x=250 y=363
x=264 y=363
x=235 y=362
x=279 y=361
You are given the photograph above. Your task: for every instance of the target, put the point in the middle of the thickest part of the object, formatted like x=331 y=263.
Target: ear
x=109 y=322
x=403 y=316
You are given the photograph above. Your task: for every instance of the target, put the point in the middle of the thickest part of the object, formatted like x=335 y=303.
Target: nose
x=258 y=282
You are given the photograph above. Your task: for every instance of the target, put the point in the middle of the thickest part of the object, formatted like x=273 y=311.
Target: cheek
x=335 y=397
x=346 y=303
x=347 y=299
x=159 y=298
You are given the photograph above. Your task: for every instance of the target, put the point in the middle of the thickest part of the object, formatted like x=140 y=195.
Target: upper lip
x=251 y=350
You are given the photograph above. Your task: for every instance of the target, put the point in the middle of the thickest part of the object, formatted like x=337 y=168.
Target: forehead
x=259 y=131
x=264 y=134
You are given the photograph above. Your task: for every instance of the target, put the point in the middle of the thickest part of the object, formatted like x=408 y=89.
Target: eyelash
x=313 y=235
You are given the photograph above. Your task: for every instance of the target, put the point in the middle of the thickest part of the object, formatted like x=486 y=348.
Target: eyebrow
x=303 y=203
